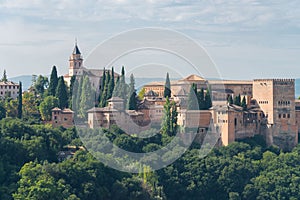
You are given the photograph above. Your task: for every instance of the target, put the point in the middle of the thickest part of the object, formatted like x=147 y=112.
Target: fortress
x=271 y=107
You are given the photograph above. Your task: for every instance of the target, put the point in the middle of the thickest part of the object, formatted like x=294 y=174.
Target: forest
x=30 y=169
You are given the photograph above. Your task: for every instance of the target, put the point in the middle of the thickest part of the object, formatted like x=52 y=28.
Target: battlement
x=276 y=80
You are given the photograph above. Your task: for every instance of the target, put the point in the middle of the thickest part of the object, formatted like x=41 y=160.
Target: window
x=283 y=115
x=288 y=116
x=279 y=116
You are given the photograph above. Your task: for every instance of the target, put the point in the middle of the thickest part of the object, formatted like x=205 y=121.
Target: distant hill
x=26 y=81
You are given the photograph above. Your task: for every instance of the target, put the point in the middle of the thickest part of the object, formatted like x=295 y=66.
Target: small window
x=283 y=115
x=279 y=116
x=288 y=116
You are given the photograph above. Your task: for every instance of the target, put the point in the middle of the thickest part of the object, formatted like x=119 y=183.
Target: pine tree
x=132 y=99
x=20 y=105
x=4 y=77
x=244 y=104
x=230 y=100
x=167 y=90
x=53 y=82
x=208 y=102
x=192 y=103
x=62 y=93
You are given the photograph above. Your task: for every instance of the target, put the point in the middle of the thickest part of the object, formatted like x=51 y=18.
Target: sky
x=246 y=39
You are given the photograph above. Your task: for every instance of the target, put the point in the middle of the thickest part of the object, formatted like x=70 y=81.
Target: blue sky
x=245 y=38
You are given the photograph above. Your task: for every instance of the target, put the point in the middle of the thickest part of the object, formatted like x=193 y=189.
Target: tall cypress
x=166 y=121
x=53 y=82
x=86 y=99
x=244 y=104
x=167 y=90
x=62 y=93
x=132 y=100
x=230 y=100
x=111 y=84
x=20 y=104
x=72 y=87
x=201 y=99
x=208 y=102
x=192 y=103
x=104 y=95
x=174 y=117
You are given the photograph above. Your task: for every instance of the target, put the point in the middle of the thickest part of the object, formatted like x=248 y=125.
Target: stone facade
x=276 y=97
x=63 y=117
x=9 y=89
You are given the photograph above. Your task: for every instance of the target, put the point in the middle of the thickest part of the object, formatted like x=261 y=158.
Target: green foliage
x=62 y=93
x=230 y=100
x=87 y=97
x=2 y=110
x=243 y=103
x=132 y=99
x=192 y=103
x=46 y=106
x=71 y=89
x=40 y=84
x=20 y=104
x=167 y=90
x=208 y=101
x=141 y=94
x=237 y=100
x=4 y=77
x=169 y=122
x=53 y=82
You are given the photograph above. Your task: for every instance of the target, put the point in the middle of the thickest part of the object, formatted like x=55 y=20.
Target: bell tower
x=75 y=61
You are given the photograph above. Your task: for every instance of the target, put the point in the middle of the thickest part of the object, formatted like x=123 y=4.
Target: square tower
x=276 y=98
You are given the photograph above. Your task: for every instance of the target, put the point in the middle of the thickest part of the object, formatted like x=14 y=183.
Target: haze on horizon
x=246 y=39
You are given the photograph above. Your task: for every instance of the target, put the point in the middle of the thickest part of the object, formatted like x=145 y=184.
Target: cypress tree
x=104 y=95
x=72 y=86
x=86 y=99
x=192 y=103
x=111 y=84
x=4 y=77
x=62 y=93
x=167 y=90
x=132 y=101
x=201 y=99
x=230 y=100
x=244 y=104
x=208 y=102
x=166 y=122
x=53 y=82
x=77 y=96
x=20 y=104
x=237 y=100
x=174 y=117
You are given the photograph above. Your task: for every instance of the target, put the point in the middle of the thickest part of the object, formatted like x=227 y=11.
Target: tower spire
x=76 y=49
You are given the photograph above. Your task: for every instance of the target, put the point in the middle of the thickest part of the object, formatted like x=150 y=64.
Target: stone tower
x=75 y=61
x=276 y=97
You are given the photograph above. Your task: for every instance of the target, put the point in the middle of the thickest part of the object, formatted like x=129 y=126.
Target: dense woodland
x=30 y=168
